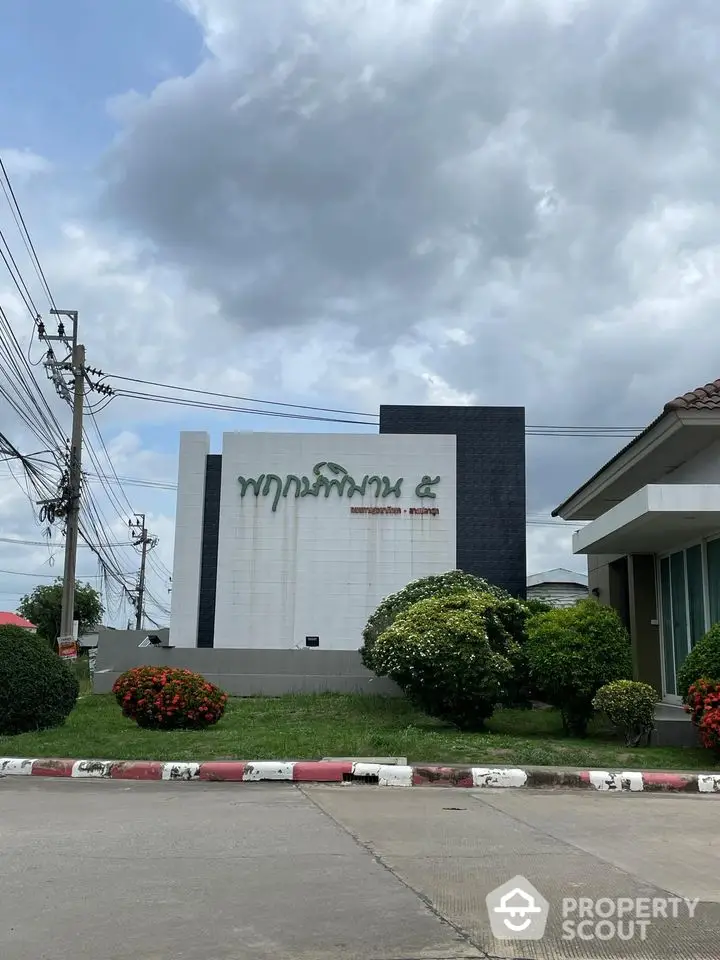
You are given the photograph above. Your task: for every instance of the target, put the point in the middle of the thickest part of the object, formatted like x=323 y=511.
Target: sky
x=343 y=203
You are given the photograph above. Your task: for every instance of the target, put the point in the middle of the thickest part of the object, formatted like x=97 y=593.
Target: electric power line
x=530 y=429
x=23 y=230
x=537 y=429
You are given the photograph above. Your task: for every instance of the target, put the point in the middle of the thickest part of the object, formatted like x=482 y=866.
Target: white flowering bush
x=440 y=654
x=439 y=585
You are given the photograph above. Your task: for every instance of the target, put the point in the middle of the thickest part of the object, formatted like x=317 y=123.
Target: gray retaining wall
x=242 y=673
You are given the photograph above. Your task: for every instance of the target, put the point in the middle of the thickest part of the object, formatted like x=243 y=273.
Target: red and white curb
x=384 y=775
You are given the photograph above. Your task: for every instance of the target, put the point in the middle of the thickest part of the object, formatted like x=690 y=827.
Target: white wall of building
x=194 y=448
x=313 y=567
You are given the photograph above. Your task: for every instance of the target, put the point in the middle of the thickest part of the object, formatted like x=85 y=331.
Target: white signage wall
x=314 y=530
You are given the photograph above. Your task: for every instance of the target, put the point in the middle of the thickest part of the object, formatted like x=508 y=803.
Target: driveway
x=212 y=871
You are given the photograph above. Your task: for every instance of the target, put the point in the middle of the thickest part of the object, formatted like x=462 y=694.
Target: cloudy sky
x=342 y=203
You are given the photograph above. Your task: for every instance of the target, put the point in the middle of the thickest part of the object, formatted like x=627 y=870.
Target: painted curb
x=384 y=775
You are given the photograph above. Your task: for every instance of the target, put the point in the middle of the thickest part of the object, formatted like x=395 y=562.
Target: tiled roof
x=13 y=620
x=703 y=398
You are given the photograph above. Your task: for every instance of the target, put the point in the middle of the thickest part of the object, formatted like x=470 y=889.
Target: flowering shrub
x=163 y=698
x=630 y=707
x=440 y=654
x=437 y=585
x=703 y=703
x=696 y=696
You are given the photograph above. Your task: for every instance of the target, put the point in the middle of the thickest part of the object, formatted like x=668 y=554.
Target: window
x=667 y=631
x=713 y=571
x=679 y=610
x=696 y=593
x=682 y=604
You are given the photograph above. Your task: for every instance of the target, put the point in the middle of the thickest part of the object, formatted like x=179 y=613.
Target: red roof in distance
x=13 y=620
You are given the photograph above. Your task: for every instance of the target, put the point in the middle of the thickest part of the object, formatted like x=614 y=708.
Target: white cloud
x=350 y=203
x=24 y=163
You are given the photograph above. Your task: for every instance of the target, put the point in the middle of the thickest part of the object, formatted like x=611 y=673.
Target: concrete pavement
x=101 y=870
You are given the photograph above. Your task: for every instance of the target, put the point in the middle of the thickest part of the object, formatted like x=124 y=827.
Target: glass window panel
x=667 y=632
x=713 y=565
x=696 y=599
x=679 y=608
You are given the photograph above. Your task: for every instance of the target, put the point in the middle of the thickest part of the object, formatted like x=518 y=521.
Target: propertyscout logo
x=518 y=911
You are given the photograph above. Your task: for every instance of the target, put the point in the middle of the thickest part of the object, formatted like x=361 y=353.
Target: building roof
x=702 y=398
x=13 y=620
x=558 y=575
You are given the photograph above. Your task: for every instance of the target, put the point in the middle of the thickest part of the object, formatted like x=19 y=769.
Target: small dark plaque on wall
x=312 y=641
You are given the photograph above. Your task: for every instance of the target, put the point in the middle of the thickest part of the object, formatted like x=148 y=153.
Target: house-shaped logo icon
x=517 y=911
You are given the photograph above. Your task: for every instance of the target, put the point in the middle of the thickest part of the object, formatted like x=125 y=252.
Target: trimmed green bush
x=439 y=585
x=630 y=706
x=440 y=653
x=702 y=661
x=37 y=690
x=572 y=652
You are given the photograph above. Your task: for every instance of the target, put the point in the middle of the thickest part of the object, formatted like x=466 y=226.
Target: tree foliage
x=43 y=607
x=572 y=652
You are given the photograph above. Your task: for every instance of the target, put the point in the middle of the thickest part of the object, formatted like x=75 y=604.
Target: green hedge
x=572 y=652
x=37 y=690
x=703 y=661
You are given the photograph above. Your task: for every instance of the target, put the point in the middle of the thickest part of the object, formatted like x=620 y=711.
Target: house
x=13 y=620
x=652 y=534
x=558 y=587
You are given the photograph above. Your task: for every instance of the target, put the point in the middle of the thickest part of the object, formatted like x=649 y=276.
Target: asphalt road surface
x=191 y=871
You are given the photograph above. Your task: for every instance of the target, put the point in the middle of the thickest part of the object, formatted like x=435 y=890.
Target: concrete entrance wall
x=243 y=673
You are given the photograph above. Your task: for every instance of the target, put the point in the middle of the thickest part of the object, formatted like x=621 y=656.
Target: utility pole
x=68 y=501
x=73 y=507
x=141 y=538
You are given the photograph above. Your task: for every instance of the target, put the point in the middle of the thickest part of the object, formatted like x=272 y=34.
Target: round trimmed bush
x=164 y=698
x=572 y=652
x=37 y=689
x=439 y=585
x=702 y=661
x=440 y=654
x=630 y=706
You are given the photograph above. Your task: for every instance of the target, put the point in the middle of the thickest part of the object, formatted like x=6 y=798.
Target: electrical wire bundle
x=44 y=475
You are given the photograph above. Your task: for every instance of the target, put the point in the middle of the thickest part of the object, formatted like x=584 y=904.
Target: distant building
x=560 y=587
x=13 y=620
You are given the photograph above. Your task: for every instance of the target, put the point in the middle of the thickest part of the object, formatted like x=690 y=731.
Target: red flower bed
x=703 y=703
x=163 y=698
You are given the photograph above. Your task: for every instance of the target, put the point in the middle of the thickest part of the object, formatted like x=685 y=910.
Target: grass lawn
x=327 y=725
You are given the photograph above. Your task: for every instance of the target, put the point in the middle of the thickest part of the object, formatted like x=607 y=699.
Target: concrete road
x=155 y=871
